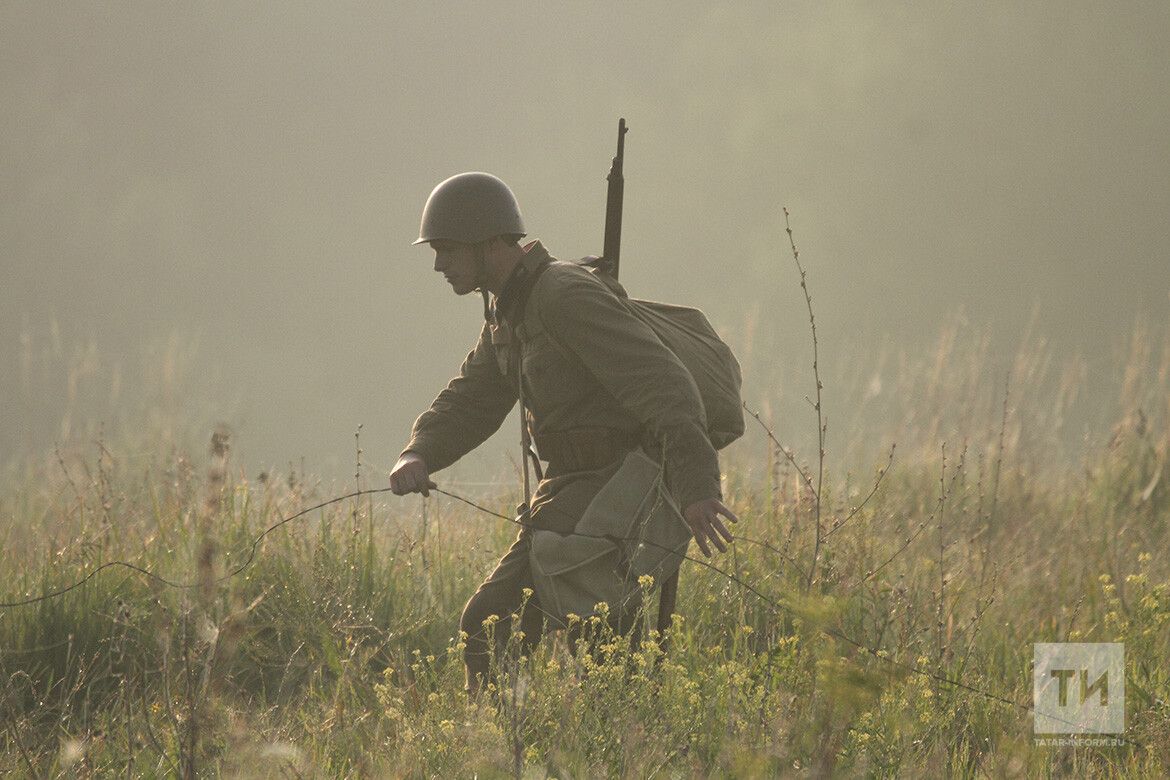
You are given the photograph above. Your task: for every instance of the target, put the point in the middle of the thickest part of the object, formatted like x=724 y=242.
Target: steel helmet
x=470 y=208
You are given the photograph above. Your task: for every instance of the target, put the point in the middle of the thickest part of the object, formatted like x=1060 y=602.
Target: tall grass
x=334 y=654
x=829 y=644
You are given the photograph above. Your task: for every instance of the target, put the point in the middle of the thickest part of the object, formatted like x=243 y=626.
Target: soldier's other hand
x=703 y=518
x=410 y=475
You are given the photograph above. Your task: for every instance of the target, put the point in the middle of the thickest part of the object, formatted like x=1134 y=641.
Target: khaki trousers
x=502 y=595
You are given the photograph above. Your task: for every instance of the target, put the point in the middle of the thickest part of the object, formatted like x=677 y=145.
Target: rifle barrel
x=613 y=204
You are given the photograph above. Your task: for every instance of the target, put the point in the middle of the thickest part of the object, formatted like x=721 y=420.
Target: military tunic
x=589 y=365
x=586 y=363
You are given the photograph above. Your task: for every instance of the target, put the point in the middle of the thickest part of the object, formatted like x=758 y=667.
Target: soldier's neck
x=498 y=268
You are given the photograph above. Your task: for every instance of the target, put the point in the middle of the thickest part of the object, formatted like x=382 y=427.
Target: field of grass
x=877 y=625
x=830 y=652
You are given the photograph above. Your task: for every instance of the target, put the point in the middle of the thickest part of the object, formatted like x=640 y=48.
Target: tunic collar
x=517 y=286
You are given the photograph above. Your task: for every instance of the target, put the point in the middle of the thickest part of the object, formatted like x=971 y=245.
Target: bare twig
x=13 y=725
x=940 y=604
x=784 y=450
x=837 y=526
x=909 y=539
x=998 y=459
x=154 y=738
x=821 y=424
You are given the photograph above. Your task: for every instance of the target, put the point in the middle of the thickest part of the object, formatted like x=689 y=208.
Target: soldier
x=597 y=383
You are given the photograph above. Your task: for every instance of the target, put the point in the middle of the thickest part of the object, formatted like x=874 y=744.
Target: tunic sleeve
x=469 y=410
x=625 y=356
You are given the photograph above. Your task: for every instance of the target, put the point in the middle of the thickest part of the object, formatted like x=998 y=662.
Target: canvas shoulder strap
x=526 y=451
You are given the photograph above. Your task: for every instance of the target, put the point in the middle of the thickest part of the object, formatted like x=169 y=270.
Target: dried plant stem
x=838 y=525
x=998 y=458
x=821 y=425
x=69 y=479
x=154 y=741
x=786 y=452
x=13 y=725
x=940 y=604
x=355 y=510
x=357 y=446
x=188 y=750
x=775 y=496
x=909 y=540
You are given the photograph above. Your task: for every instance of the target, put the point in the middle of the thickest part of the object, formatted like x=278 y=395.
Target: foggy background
x=207 y=209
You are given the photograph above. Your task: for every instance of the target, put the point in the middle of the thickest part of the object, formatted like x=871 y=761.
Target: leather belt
x=584 y=449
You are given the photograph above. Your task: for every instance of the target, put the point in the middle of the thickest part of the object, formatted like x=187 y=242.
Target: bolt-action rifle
x=607 y=263
x=610 y=263
x=611 y=253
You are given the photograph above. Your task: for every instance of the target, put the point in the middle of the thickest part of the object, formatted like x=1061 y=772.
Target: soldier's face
x=458 y=265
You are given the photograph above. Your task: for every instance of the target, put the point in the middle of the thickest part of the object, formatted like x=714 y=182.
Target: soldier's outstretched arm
x=469 y=410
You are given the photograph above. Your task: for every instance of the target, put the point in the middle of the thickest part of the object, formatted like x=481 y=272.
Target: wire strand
x=774 y=604
x=187 y=585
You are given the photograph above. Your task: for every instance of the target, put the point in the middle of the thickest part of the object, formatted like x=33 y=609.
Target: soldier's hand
x=410 y=475
x=703 y=518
